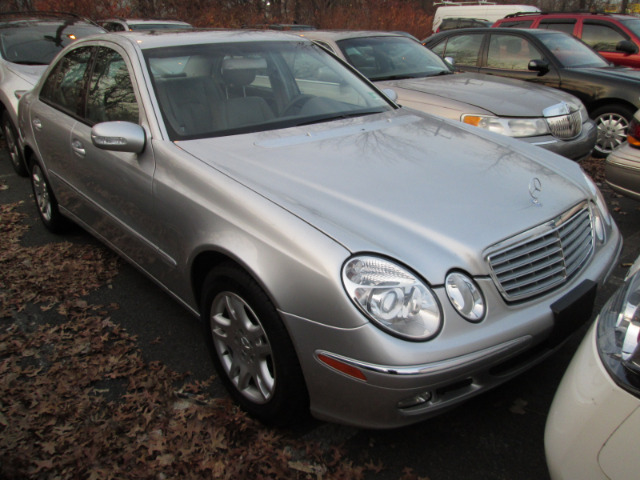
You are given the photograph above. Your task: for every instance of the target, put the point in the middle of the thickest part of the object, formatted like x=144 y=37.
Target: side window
x=566 y=26
x=114 y=27
x=464 y=49
x=64 y=87
x=601 y=38
x=111 y=95
x=509 y=52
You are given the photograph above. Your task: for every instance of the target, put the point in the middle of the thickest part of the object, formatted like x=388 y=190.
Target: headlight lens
x=392 y=297
x=465 y=296
x=602 y=218
x=618 y=335
x=512 y=127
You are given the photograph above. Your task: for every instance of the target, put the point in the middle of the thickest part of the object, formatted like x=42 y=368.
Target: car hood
x=504 y=97
x=612 y=72
x=30 y=74
x=427 y=191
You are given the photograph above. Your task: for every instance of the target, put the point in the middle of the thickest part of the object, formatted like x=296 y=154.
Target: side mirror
x=119 y=137
x=539 y=65
x=390 y=94
x=450 y=60
x=626 y=46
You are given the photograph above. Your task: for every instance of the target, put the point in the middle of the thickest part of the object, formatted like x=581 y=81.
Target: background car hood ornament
x=535 y=188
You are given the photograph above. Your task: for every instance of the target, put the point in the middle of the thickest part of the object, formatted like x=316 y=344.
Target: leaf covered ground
x=78 y=399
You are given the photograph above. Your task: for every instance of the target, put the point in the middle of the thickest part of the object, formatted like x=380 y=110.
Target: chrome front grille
x=544 y=257
x=565 y=127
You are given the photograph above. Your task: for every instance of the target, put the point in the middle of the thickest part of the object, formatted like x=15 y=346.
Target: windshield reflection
x=392 y=58
x=572 y=53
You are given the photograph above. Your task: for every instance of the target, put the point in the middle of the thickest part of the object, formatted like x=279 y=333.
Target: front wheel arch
x=251 y=348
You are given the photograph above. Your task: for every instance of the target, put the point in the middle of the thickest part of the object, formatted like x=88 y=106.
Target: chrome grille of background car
x=544 y=257
x=565 y=126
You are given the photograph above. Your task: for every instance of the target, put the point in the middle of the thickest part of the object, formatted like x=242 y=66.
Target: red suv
x=615 y=37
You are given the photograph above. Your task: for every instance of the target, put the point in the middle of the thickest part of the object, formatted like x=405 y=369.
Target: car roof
x=17 y=18
x=344 y=34
x=525 y=15
x=147 y=39
x=142 y=21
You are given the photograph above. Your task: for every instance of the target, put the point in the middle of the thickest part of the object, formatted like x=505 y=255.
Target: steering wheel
x=295 y=105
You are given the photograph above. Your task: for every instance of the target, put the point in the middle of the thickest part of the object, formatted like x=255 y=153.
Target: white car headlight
x=392 y=297
x=618 y=335
x=465 y=296
x=511 y=127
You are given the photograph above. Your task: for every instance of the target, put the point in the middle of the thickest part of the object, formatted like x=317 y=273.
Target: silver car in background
x=622 y=167
x=372 y=264
x=539 y=115
x=28 y=42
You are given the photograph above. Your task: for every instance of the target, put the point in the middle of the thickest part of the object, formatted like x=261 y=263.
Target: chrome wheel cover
x=612 y=131
x=41 y=192
x=242 y=347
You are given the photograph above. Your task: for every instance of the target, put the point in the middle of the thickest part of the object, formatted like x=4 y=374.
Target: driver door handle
x=78 y=147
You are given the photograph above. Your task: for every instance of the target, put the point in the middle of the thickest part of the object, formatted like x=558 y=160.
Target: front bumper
x=403 y=382
x=622 y=171
x=575 y=149
x=592 y=426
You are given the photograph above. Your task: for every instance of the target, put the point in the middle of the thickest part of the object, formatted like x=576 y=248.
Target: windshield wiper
x=394 y=77
x=28 y=62
x=340 y=116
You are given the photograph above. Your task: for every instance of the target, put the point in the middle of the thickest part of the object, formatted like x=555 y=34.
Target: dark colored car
x=28 y=43
x=615 y=37
x=555 y=59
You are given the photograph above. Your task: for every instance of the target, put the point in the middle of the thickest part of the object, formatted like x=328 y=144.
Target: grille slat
x=565 y=126
x=544 y=257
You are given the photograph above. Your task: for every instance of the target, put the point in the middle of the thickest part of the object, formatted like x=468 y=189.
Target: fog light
x=416 y=400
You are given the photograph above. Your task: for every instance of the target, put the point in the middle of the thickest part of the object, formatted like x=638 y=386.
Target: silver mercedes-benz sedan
x=371 y=264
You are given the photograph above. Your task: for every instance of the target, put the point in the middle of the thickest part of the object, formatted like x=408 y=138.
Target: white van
x=477 y=10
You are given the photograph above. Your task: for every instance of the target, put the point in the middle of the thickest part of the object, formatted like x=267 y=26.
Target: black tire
x=46 y=202
x=251 y=349
x=11 y=140
x=612 y=122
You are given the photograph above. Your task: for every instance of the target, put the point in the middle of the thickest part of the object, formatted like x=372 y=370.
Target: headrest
x=241 y=71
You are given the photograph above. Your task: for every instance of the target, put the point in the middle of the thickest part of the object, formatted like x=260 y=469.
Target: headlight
x=584 y=115
x=618 y=335
x=392 y=297
x=512 y=127
x=602 y=217
x=465 y=296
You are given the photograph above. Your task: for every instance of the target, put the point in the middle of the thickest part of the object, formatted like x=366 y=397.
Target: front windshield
x=391 y=58
x=571 y=52
x=32 y=43
x=228 y=88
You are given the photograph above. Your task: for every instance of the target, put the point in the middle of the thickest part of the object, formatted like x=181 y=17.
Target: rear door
x=54 y=116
